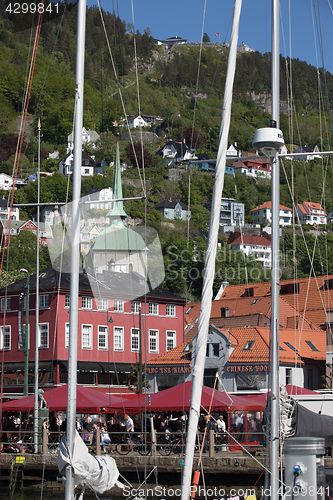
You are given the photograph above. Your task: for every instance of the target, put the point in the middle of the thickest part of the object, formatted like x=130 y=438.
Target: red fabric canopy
x=178 y=398
x=88 y=400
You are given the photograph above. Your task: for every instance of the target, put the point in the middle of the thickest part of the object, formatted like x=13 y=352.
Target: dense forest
x=189 y=109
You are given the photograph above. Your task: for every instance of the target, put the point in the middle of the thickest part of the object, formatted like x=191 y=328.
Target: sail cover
x=99 y=473
x=310 y=424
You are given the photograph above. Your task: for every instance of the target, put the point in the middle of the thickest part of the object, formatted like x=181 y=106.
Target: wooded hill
x=168 y=88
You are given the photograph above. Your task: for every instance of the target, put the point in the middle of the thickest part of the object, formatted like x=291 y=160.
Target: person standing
x=129 y=424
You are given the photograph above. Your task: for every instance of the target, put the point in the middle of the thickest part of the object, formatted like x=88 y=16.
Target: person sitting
x=105 y=438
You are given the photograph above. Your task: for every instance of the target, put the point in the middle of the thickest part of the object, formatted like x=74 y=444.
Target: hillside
x=168 y=88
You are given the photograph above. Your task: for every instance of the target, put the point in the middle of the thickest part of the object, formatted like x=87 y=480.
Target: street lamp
x=26 y=343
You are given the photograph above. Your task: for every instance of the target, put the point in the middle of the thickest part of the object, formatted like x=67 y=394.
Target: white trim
x=102 y=334
x=85 y=347
x=120 y=336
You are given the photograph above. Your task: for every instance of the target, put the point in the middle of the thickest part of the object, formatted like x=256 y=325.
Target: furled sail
x=99 y=473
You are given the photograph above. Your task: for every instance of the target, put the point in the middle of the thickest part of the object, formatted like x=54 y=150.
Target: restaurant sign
x=168 y=370
x=248 y=368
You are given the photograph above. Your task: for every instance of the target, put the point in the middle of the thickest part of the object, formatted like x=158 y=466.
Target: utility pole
x=26 y=344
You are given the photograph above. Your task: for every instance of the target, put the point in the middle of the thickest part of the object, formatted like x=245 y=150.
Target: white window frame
x=66 y=335
x=153 y=308
x=118 y=338
x=3 y=338
x=118 y=306
x=170 y=310
x=102 y=304
x=135 y=338
x=102 y=335
x=86 y=302
x=44 y=301
x=135 y=307
x=86 y=345
x=67 y=301
x=8 y=304
x=43 y=327
x=153 y=337
x=173 y=336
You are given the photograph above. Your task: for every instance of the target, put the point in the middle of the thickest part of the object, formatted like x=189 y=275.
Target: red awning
x=178 y=398
x=88 y=400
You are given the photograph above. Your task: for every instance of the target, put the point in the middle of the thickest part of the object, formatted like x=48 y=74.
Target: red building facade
x=108 y=330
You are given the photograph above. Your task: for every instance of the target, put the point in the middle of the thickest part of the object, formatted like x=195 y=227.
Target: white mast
x=275 y=277
x=270 y=140
x=209 y=269
x=75 y=243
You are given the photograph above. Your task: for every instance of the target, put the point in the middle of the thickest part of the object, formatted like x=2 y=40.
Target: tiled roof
x=250 y=300
x=307 y=208
x=247 y=239
x=268 y=204
x=174 y=356
x=259 y=352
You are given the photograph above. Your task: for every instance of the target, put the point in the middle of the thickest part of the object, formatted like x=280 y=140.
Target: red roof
x=247 y=239
x=268 y=204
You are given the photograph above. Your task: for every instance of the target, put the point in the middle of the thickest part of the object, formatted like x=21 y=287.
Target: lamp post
x=26 y=343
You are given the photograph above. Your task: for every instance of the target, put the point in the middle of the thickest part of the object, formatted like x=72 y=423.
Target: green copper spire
x=117 y=211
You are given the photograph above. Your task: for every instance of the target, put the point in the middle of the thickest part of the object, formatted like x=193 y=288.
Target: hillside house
x=254 y=167
x=6 y=212
x=173 y=209
x=309 y=152
x=88 y=137
x=263 y=214
x=65 y=166
x=175 y=152
x=256 y=246
x=310 y=213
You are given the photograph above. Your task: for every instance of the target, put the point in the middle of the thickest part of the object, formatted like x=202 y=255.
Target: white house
x=98 y=198
x=88 y=136
x=263 y=213
x=307 y=150
x=65 y=166
x=253 y=166
x=6 y=212
x=6 y=182
x=311 y=213
x=176 y=152
x=257 y=246
x=136 y=121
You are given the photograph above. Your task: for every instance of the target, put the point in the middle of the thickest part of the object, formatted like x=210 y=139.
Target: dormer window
x=248 y=346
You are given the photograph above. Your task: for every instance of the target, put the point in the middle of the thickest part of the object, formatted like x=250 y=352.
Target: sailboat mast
x=209 y=268
x=75 y=243
x=275 y=277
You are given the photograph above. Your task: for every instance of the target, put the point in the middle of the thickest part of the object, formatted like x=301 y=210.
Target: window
x=215 y=350
x=102 y=304
x=86 y=302
x=66 y=335
x=43 y=301
x=288 y=376
x=120 y=268
x=86 y=336
x=291 y=346
x=153 y=341
x=135 y=307
x=170 y=340
x=311 y=345
x=135 y=343
x=248 y=345
x=43 y=335
x=153 y=309
x=67 y=301
x=102 y=337
x=170 y=310
x=5 y=340
x=8 y=304
x=118 y=338
x=118 y=306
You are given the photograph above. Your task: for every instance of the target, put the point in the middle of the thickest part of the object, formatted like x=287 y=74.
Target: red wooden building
x=108 y=329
